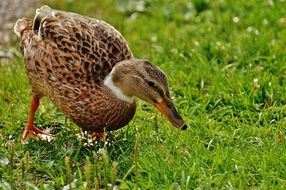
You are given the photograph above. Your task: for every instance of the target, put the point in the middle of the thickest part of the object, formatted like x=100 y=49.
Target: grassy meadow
x=225 y=61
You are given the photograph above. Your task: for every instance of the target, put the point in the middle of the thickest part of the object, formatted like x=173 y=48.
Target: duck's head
x=141 y=79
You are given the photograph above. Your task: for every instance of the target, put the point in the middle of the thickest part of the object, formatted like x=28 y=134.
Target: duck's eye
x=151 y=84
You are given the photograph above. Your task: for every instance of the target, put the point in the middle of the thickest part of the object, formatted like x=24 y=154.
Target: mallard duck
x=85 y=67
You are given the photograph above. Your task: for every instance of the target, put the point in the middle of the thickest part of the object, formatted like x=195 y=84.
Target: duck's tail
x=25 y=24
x=41 y=13
x=21 y=26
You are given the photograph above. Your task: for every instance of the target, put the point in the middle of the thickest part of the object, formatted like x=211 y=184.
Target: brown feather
x=67 y=57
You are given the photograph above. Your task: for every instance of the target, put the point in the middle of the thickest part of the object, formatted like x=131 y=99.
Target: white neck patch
x=116 y=91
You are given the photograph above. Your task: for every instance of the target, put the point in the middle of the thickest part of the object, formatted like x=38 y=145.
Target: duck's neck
x=117 y=91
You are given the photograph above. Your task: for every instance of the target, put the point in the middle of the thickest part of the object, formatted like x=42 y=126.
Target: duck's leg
x=31 y=131
x=97 y=136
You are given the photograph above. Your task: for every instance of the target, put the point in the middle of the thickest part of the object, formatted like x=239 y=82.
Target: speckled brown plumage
x=67 y=57
x=85 y=67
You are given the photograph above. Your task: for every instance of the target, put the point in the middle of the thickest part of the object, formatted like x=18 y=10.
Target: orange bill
x=171 y=113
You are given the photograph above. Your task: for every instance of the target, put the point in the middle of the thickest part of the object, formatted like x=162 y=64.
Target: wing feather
x=96 y=45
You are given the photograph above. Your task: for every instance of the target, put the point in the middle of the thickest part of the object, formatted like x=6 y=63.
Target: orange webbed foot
x=97 y=136
x=32 y=132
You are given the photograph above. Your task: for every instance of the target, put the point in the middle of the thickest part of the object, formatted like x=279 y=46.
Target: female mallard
x=85 y=67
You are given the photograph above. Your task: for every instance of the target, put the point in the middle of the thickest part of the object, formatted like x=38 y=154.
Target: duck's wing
x=96 y=45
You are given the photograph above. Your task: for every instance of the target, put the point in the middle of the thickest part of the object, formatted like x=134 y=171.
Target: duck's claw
x=32 y=132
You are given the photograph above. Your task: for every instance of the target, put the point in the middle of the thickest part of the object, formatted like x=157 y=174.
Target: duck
x=85 y=67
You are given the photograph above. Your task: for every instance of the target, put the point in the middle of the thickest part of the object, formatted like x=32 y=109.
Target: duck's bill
x=171 y=113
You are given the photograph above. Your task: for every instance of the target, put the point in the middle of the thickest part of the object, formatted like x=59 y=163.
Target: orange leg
x=31 y=131
x=97 y=136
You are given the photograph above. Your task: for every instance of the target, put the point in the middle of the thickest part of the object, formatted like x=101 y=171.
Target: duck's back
x=67 y=56
x=95 y=45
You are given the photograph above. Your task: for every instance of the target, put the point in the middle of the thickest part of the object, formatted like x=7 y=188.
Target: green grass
x=225 y=61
